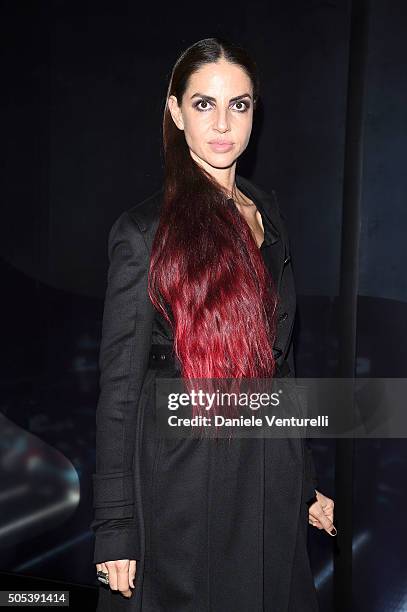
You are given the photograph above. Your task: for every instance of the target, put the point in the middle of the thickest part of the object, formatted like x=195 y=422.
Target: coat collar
x=146 y=213
x=265 y=203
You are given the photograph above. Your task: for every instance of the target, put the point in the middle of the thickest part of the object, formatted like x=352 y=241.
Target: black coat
x=211 y=529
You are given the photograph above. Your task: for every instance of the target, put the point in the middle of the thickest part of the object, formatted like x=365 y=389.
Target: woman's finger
x=123 y=573
x=111 y=568
x=101 y=567
x=326 y=523
x=320 y=518
x=132 y=573
x=328 y=509
x=315 y=522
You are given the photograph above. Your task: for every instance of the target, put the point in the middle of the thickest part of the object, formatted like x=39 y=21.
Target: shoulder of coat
x=146 y=212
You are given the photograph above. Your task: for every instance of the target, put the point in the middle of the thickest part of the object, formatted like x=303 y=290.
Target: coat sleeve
x=123 y=362
x=310 y=473
x=310 y=469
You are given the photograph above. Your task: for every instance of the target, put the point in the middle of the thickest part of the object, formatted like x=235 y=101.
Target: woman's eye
x=244 y=106
x=205 y=102
x=204 y=105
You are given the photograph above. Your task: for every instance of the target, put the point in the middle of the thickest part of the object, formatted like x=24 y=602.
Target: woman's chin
x=221 y=161
x=217 y=160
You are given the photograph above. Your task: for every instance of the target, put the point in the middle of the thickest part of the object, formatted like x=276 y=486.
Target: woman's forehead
x=218 y=76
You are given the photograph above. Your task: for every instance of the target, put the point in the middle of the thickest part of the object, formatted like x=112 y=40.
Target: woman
x=200 y=285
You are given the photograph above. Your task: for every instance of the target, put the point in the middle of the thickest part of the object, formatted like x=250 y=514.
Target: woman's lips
x=221 y=147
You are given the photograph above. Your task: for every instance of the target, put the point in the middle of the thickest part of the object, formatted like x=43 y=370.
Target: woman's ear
x=175 y=112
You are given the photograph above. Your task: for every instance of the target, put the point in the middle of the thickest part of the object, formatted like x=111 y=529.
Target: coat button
x=283 y=317
x=287 y=259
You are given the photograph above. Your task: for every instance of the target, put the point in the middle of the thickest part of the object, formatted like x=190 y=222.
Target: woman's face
x=216 y=114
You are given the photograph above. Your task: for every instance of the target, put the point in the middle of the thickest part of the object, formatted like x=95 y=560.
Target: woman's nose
x=222 y=120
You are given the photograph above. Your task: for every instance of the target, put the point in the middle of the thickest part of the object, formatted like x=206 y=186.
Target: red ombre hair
x=207 y=276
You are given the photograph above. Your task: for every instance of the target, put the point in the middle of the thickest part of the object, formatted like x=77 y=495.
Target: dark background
x=83 y=91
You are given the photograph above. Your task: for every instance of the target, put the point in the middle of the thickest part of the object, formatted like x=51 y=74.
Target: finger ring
x=103 y=577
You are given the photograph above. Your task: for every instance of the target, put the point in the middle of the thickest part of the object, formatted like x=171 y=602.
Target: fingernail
x=332 y=531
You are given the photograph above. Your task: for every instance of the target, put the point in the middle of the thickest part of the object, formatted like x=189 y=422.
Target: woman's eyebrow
x=197 y=94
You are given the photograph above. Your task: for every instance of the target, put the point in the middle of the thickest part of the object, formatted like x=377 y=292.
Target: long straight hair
x=207 y=276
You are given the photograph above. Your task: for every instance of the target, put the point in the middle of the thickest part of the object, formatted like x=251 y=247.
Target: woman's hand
x=122 y=574
x=321 y=514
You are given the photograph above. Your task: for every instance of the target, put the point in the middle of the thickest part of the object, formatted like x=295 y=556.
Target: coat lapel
x=264 y=202
x=268 y=206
